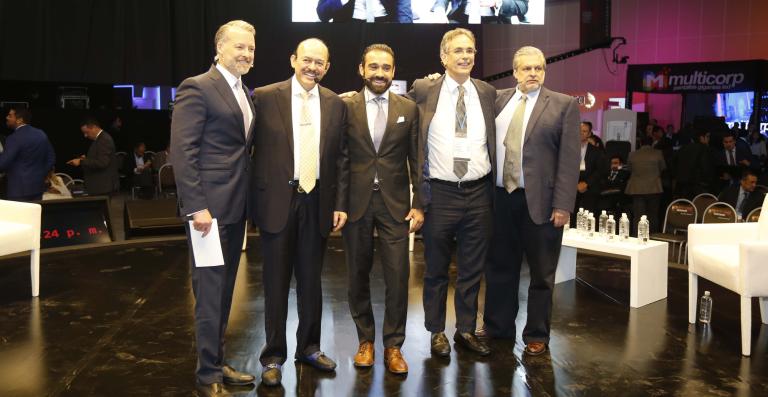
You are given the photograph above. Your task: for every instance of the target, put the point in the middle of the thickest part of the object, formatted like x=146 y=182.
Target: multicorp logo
x=698 y=80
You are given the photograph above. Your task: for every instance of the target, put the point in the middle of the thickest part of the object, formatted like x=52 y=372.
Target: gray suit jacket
x=397 y=154
x=646 y=165
x=425 y=93
x=100 y=168
x=551 y=153
x=209 y=150
x=273 y=158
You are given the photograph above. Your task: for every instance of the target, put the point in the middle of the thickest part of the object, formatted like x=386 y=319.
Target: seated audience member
x=695 y=168
x=612 y=196
x=56 y=189
x=757 y=147
x=743 y=197
x=139 y=166
x=160 y=159
x=731 y=159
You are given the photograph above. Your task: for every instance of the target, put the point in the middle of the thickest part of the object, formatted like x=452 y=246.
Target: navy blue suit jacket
x=27 y=158
x=397 y=10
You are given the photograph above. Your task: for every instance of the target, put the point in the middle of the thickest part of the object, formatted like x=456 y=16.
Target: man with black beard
x=382 y=134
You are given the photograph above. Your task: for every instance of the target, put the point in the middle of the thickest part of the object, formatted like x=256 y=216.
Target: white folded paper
x=207 y=250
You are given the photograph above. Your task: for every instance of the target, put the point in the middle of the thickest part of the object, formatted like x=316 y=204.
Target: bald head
x=310 y=62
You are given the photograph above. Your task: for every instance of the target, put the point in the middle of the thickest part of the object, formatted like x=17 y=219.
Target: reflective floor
x=118 y=322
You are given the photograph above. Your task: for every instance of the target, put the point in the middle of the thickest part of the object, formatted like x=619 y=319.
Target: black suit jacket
x=273 y=157
x=594 y=169
x=100 y=165
x=209 y=149
x=730 y=195
x=27 y=157
x=550 y=152
x=397 y=154
x=397 y=10
x=425 y=93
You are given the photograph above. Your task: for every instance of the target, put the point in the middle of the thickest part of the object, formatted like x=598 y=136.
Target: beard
x=378 y=90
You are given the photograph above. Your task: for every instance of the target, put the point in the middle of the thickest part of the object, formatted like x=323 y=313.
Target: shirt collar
x=532 y=95
x=370 y=95
x=231 y=79
x=453 y=85
x=23 y=125
x=297 y=89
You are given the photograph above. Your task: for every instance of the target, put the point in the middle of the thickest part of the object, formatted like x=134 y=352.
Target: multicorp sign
x=695 y=77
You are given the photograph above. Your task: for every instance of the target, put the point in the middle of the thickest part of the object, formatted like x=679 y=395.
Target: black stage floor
x=118 y=322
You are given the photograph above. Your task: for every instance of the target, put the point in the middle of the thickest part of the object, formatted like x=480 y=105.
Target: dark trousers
x=515 y=234
x=646 y=204
x=27 y=198
x=589 y=201
x=463 y=214
x=298 y=247
x=213 y=287
x=393 y=247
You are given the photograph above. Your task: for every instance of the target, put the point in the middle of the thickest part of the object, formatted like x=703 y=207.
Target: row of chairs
x=704 y=208
x=165 y=184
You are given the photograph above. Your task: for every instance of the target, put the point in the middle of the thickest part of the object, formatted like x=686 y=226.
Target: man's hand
x=348 y=94
x=582 y=187
x=201 y=221
x=745 y=162
x=339 y=219
x=416 y=216
x=559 y=217
x=75 y=162
x=433 y=76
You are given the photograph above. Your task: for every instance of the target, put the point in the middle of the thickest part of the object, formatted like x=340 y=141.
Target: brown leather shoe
x=394 y=361
x=365 y=354
x=535 y=348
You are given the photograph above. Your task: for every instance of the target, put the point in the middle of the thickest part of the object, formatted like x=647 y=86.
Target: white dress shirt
x=372 y=108
x=502 y=124
x=360 y=9
x=232 y=82
x=441 y=139
x=314 y=109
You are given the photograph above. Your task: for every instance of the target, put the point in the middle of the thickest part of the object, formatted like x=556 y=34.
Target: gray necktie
x=380 y=123
x=242 y=100
x=513 y=146
x=731 y=159
x=461 y=165
x=743 y=203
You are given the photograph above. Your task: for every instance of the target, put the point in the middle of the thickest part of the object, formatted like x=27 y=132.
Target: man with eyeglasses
x=456 y=152
x=537 y=143
x=300 y=182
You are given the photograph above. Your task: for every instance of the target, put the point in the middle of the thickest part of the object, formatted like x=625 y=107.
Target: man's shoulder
x=330 y=96
x=403 y=101
x=557 y=96
x=272 y=87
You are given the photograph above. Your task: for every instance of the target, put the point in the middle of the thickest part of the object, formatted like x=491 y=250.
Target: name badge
x=461 y=148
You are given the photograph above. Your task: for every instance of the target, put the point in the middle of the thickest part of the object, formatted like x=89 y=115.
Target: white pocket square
x=401 y=119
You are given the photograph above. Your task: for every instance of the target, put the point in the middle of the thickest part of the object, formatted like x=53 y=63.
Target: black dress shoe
x=318 y=360
x=440 y=345
x=271 y=375
x=471 y=342
x=235 y=377
x=212 y=390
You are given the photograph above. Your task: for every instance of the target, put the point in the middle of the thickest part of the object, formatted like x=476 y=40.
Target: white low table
x=648 y=264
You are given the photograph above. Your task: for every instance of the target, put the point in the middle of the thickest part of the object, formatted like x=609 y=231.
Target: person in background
x=743 y=197
x=56 y=188
x=27 y=157
x=100 y=166
x=644 y=185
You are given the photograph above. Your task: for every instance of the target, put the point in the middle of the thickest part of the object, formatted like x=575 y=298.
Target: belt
x=295 y=184
x=462 y=184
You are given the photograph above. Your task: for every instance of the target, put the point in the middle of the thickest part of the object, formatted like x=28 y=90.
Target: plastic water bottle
x=705 y=308
x=591 y=226
x=624 y=227
x=610 y=228
x=642 y=230
x=580 y=220
x=601 y=225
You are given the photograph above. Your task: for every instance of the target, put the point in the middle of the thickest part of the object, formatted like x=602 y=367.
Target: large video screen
x=736 y=107
x=420 y=11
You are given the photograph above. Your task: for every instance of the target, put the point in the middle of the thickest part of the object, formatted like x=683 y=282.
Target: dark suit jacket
x=27 y=158
x=209 y=150
x=695 y=166
x=456 y=10
x=551 y=153
x=425 y=93
x=397 y=154
x=397 y=10
x=594 y=170
x=742 y=153
x=100 y=167
x=731 y=196
x=274 y=151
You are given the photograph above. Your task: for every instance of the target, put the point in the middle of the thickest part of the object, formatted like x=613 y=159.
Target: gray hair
x=221 y=33
x=528 y=50
x=451 y=34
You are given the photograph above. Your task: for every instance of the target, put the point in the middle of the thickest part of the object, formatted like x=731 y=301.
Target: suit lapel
x=225 y=91
x=324 y=121
x=541 y=103
x=283 y=97
x=360 y=110
x=433 y=93
x=253 y=113
x=393 y=113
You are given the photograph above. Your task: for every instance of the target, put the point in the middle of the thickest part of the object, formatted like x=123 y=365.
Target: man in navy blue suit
x=398 y=11
x=27 y=158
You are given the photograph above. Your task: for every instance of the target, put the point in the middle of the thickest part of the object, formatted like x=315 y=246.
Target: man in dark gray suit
x=100 y=168
x=210 y=140
x=382 y=133
x=538 y=169
x=456 y=152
